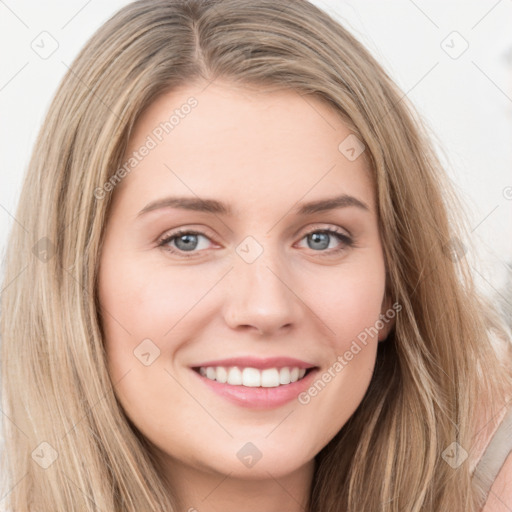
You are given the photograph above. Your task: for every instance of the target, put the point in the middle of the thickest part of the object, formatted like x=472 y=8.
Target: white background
x=466 y=101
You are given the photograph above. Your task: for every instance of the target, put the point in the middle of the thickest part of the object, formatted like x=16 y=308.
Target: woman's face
x=243 y=242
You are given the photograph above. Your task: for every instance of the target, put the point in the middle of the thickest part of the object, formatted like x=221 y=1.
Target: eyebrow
x=220 y=208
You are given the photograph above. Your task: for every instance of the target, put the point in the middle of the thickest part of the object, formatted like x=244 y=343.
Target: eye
x=320 y=239
x=187 y=243
x=184 y=241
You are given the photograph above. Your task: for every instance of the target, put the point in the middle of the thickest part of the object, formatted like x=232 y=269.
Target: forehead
x=244 y=146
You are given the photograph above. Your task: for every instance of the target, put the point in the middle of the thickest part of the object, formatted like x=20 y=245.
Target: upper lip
x=259 y=363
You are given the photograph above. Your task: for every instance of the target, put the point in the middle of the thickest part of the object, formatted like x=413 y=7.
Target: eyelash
x=346 y=241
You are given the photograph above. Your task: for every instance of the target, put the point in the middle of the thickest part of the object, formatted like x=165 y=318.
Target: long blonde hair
x=69 y=445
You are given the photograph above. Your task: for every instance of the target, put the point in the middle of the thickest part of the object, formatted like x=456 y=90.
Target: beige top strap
x=494 y=457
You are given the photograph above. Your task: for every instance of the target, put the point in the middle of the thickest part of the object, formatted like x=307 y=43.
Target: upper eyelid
x=321 y=226
x=183 y=231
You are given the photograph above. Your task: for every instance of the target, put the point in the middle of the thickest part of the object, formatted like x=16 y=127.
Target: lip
x=259 y=363
x=259 y=397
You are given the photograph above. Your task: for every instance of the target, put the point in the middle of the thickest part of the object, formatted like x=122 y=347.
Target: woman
x=238 y=284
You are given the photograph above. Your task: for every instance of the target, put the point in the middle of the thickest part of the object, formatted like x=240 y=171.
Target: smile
x=274 y=383
x=253 y=377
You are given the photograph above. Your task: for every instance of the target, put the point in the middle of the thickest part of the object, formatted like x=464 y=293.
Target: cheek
x=349 y=301
x=349 y=305
x=141 y=301
x=140 y=305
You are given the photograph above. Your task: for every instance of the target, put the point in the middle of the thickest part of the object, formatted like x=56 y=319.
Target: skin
x=261 y=153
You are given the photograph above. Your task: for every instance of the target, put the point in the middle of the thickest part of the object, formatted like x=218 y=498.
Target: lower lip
x=260 y=397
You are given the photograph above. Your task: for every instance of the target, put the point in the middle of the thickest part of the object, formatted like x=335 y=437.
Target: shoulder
x=493 y=443
x=500 y=495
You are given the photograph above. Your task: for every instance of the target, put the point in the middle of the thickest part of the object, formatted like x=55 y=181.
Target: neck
x=201 y=491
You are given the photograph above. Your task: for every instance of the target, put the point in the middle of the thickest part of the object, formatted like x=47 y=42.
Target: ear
x=387 y=317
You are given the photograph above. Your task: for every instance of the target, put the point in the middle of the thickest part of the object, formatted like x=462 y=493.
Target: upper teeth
x=252 y=377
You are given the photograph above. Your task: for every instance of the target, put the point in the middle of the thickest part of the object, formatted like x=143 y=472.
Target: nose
x=260 y=297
